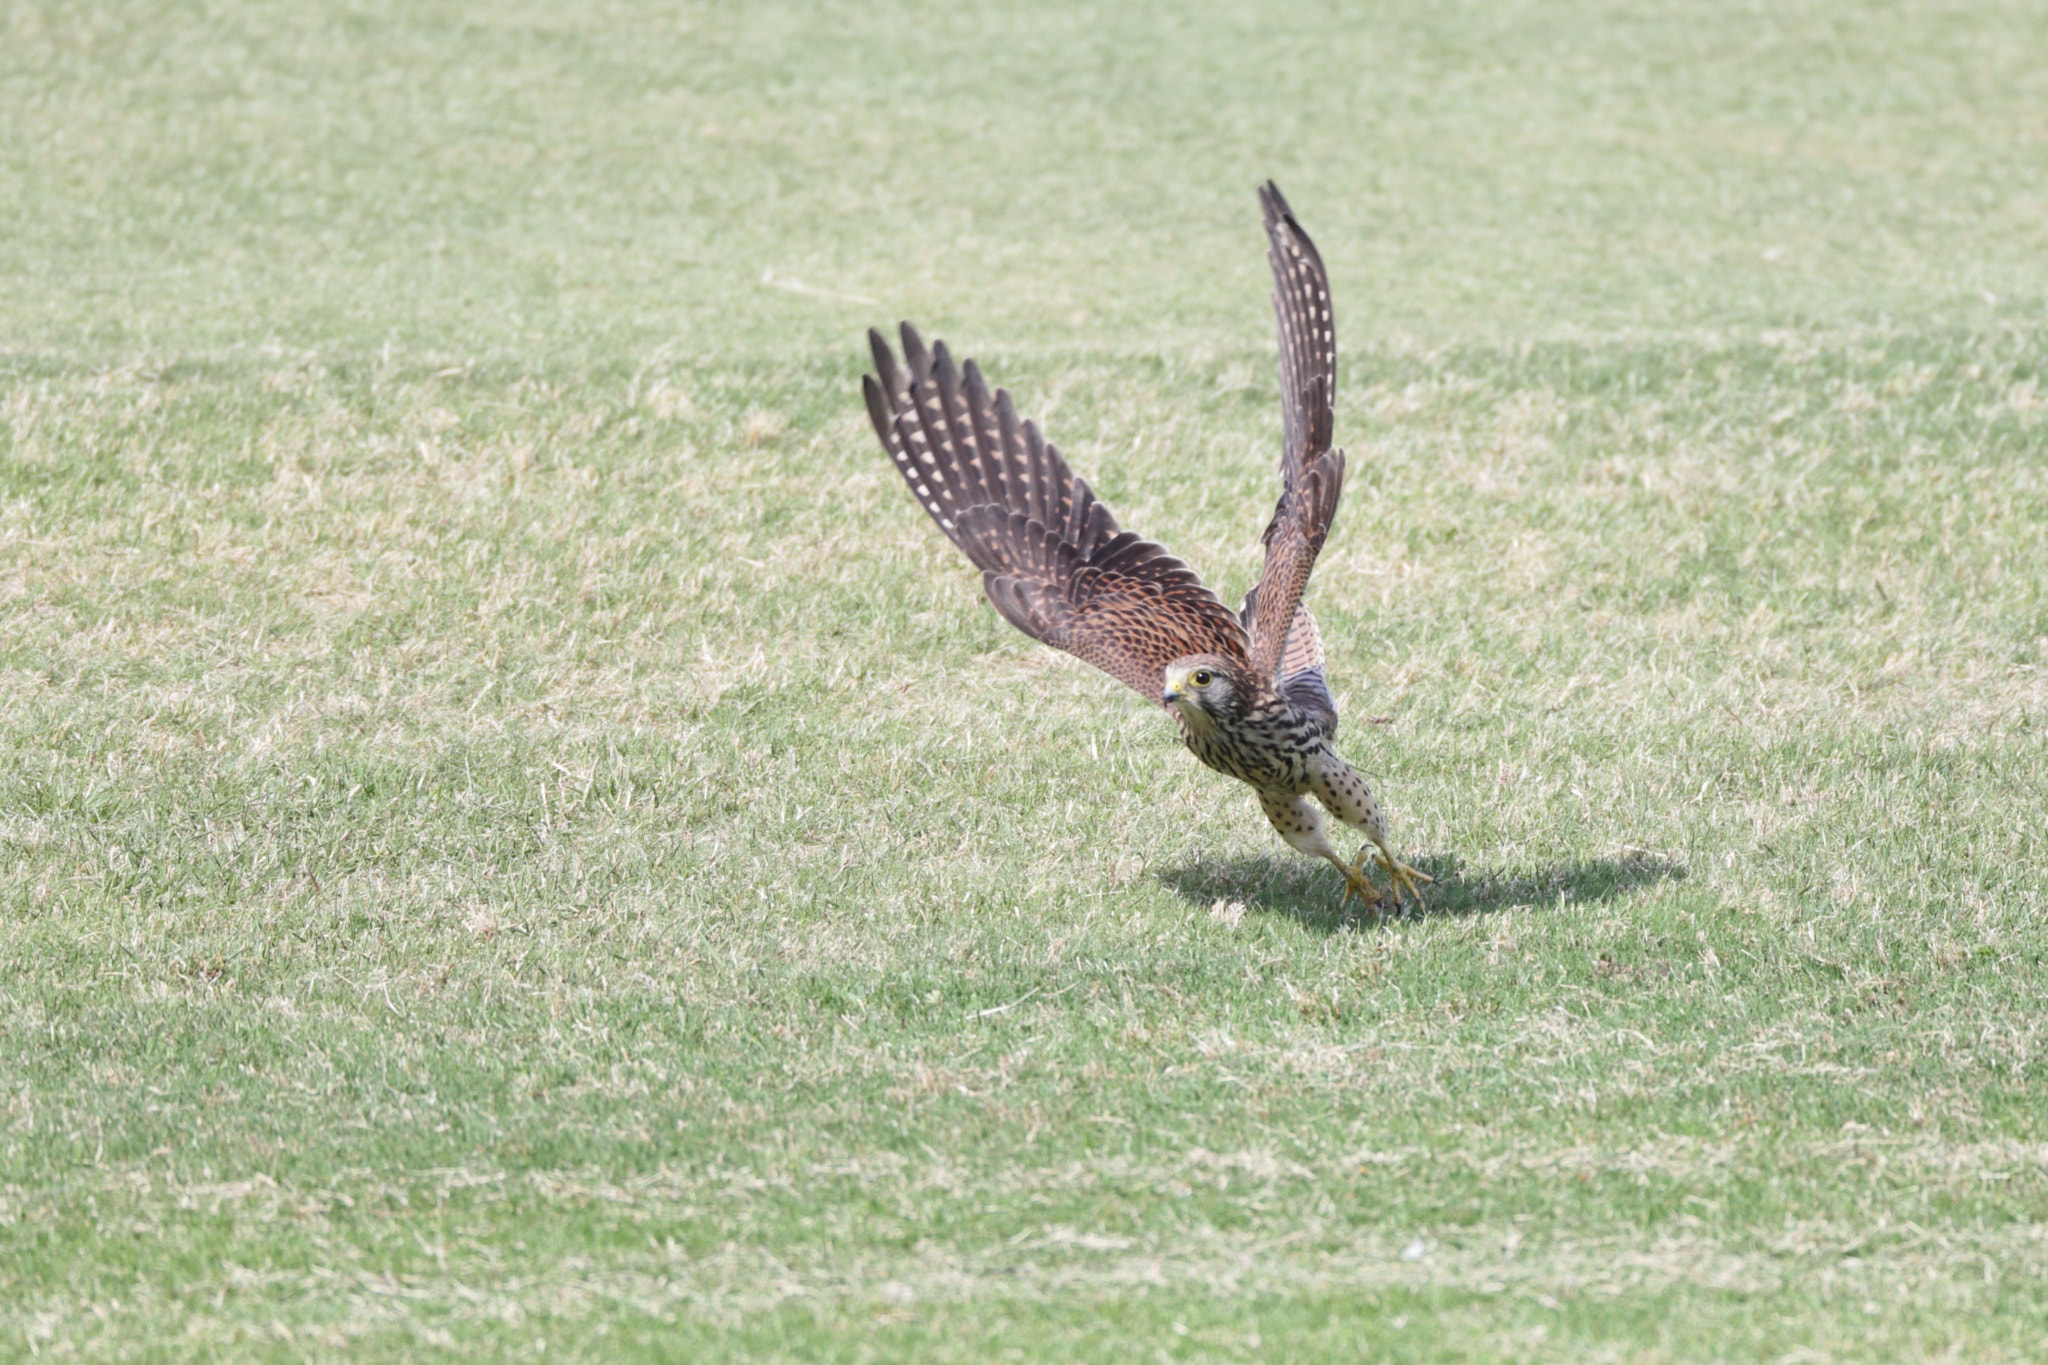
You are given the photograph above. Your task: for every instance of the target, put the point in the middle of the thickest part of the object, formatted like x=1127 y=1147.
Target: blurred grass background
x=528 y=181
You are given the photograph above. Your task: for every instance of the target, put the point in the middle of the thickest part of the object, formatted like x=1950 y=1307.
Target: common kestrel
x=1246 y=688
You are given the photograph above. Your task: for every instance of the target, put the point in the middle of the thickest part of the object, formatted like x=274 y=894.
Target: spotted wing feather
x=959 y=446
x=1053 y=559
x=1311 y=471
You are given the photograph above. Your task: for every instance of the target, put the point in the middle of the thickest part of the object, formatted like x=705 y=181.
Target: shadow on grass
x=1311 y=892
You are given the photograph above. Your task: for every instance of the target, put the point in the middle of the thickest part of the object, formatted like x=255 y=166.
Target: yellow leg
x=1401 y=876
x=1356 y=883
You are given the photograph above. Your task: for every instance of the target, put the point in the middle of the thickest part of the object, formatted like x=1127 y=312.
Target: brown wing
x=1300 y=678
x=1053 y=560
x=1311 y=473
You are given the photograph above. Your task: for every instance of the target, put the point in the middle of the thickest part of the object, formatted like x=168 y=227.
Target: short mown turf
x=518 y=839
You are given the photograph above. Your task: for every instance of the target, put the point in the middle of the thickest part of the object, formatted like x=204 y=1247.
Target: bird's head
x=1204 y=689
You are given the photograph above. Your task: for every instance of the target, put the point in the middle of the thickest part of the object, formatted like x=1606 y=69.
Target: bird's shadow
x=1311 y=893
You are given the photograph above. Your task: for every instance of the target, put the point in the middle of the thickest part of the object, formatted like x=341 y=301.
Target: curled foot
x=1401 y=876
x=1357 y=885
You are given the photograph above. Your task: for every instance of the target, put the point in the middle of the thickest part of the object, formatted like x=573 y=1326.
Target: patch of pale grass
x=490 y=858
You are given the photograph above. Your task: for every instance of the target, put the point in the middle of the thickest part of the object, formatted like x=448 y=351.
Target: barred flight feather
x=1053 y=560
x=1311 y=473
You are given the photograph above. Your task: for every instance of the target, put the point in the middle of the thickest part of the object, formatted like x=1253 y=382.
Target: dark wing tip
x=913 y=349
x=879 y=411
x=1275 y=204
x=1281 y=222
x=885 y=359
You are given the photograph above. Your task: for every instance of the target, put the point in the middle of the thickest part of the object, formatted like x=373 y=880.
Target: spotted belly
x=1278 y=752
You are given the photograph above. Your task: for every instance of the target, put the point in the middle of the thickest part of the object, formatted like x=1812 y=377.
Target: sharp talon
x=1357 y=884
x=1400 y=876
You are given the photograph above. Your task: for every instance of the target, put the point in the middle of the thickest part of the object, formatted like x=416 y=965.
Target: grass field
x=518 y=840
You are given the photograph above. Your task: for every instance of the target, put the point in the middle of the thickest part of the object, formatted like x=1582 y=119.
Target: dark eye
x=1202 y=677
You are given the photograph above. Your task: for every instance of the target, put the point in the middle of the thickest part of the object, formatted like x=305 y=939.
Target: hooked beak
x=1173 y=694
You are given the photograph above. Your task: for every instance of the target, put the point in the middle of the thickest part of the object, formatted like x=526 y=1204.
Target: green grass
x=518 y=839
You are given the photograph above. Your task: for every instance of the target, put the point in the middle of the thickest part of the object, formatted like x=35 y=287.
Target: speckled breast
x=1270 y=749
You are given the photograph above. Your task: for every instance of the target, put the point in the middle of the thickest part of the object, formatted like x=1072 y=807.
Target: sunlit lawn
x=517 y=838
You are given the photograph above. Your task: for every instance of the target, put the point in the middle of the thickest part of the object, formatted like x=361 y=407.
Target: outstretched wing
x=1300 y=678
x=1311 y=472
x=1052 y=558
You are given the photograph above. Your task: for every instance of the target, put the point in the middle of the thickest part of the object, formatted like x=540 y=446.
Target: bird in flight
x=1246 y=688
